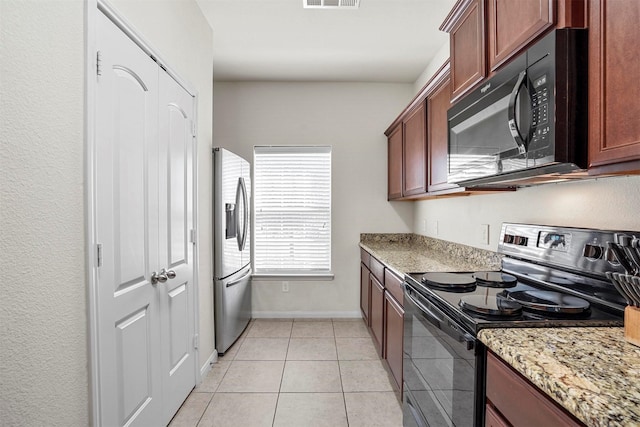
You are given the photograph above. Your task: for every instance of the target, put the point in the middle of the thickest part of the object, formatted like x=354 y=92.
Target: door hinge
x=98 y=63
x=99 y=254
x=196 y=341
x=192 y=236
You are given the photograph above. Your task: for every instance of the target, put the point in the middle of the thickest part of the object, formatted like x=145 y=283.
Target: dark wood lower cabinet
x=493 y=418
x=513 y=400
x=394 y=333
x=382 y=302
x=365 y=293
x=377 y=313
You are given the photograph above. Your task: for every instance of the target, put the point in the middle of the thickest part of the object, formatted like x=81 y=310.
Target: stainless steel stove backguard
x=581 y=250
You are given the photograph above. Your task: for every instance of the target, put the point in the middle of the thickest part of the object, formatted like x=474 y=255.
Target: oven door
x=440 y=380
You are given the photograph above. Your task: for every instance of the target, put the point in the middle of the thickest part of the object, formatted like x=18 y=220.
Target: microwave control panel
x=540 y=109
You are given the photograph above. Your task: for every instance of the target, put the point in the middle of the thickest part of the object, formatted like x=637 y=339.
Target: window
x=292 y=211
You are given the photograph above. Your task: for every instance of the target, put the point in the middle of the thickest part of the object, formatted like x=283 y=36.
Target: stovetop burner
x=495 y=279
x=490 y=307
x=451 y=282
x=548 y=301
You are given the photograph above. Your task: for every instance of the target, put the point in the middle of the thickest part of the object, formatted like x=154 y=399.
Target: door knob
x=170 y=274
x=159 y=277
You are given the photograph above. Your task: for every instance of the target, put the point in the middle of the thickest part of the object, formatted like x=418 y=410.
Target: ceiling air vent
x=331 y=4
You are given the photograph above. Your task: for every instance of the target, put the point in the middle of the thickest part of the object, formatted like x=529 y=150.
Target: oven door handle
x=442 y=322
x=433 y=317
x=418 y=418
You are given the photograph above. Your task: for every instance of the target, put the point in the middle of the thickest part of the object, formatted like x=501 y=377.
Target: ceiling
x=279 y=40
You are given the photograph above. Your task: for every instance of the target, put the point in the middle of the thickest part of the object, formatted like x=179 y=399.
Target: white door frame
x=91 y=9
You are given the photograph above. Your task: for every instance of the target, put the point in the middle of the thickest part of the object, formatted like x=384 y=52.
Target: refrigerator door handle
x=235 y=282
x=237 y=214
x=245 y=226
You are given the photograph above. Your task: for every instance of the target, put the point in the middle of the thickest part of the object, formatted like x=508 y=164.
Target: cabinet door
x=377 y=313
x=394 y=337
x=493 y=419
x=614 y=93
x=365 y=293
x=394 y=159
x=467 y=44
x=415 y=152
x=438 y=103
x=520 y=402
x=513 y=24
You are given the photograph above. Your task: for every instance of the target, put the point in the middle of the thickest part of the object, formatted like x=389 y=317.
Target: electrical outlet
x=433 y=227
x=484 y=234
x=285 y=286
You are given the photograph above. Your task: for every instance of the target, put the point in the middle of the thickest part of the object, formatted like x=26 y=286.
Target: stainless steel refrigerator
x=232 y=246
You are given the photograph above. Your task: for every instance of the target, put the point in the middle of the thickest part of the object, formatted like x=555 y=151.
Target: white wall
x=44 y=372
x=182 y=35
x=606 y=203
x=43 y=322
x=352 y=118
x=434 y=65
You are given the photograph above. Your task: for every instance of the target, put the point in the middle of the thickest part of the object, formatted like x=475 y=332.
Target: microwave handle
x=513 y=123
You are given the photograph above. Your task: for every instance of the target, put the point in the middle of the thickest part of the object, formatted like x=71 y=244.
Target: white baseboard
x=204 y=370
x=306 y=314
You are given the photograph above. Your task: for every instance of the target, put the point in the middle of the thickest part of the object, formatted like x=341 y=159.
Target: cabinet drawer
x=520 y=402
x=394 y=286
x=364 y=257
x=377 y=269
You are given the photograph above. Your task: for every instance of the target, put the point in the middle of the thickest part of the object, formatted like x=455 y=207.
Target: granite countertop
x=411 y=253
x=592 y=372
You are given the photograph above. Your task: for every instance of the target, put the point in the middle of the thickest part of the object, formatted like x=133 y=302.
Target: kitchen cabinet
x=394 y=333
x=384 y=292
x=481 y=39
x=614 y=93
x=466 y=27
x=365 y=285
x=414 y=154
x=493 y=418
x=513 y=400
x=377 y=314
x=365 y=293
x=511 y=25
x=394 y=164
x=438 y=102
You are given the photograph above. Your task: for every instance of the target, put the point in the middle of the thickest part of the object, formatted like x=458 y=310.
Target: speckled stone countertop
x=592 y=372
x=412 y=253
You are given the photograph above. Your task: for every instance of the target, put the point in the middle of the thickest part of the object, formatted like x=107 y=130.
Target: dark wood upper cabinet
x=511 y=25
x=485 y=34
x=415 y=152
x=438 y=102
x=466 y=27
x=614 y=91
x=394 y=155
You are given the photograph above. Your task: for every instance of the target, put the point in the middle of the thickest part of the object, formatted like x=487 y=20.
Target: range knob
x=593 y=251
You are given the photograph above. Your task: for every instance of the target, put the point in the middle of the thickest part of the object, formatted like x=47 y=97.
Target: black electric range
x=549 y=277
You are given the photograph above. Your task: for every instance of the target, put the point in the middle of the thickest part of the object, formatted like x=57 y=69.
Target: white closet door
x=176 y=248
x=126 y=166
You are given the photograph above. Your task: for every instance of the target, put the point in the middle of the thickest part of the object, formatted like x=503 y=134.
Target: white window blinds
x=292 y=210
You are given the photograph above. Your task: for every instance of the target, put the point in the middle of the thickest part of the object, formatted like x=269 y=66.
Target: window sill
x=293 y=276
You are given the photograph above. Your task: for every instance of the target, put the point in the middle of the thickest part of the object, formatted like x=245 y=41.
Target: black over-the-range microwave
x=528 y=121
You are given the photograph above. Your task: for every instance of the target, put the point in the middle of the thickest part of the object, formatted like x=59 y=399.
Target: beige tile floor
x=296 y=373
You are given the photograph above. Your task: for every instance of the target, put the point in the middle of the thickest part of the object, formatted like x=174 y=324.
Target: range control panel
x=574 y=248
